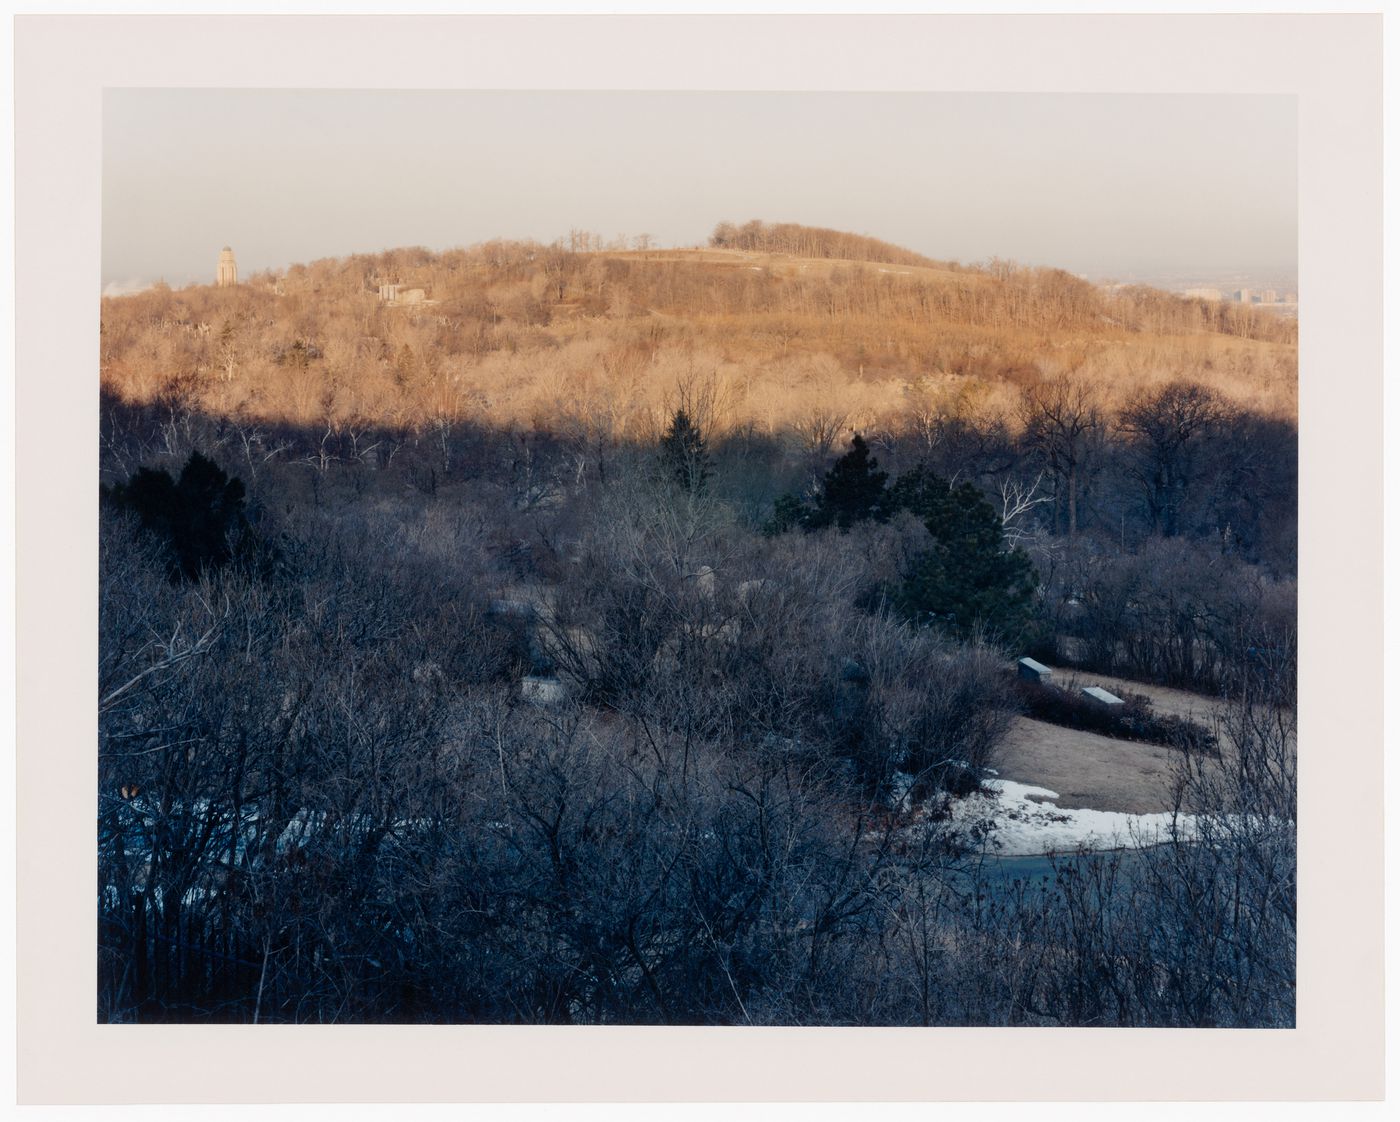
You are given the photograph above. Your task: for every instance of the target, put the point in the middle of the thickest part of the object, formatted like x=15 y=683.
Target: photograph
x=714 y=557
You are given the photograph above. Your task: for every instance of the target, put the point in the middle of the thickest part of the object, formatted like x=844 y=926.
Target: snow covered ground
x=1019 y=820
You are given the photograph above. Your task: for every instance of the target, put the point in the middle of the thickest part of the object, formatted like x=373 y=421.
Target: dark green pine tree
x=967 y=577
x=853 y=490
x=685 y=455
x=789 y=512
x=199 y=518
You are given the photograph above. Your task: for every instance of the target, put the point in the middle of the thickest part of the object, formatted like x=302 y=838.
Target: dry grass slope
x=522 y=334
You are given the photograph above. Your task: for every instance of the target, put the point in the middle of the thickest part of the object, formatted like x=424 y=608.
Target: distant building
x=1270 y=296
x=227 y=275
x=398 y=294
x=1244 y=296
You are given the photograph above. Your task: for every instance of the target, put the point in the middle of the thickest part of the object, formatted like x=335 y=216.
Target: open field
x=1089 y=771
x=1096 y=772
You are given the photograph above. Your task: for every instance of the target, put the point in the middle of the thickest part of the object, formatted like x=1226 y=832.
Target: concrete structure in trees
x=1032 y=671
x=542 y=690
x=1102 y=696
x=227 y=275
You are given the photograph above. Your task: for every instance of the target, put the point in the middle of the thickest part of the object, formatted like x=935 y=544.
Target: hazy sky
x=1094 y=183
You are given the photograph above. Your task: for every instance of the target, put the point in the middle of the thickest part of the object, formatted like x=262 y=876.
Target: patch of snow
x=1022 y=821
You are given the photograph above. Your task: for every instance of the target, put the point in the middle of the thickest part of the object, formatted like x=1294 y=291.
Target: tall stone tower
x=228 y=269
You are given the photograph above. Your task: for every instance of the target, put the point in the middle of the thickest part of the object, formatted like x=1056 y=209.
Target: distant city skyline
x=1100 y=184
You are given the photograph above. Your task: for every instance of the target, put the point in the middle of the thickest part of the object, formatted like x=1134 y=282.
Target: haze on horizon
x=1099 y=184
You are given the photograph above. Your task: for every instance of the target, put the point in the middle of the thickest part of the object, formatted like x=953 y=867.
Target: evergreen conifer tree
x=199 y=518
x=685 y=455
x=853 y=490
x=967 y=577
x=789 y=512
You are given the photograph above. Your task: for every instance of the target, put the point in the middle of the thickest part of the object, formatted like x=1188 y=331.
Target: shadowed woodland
x=608 y=639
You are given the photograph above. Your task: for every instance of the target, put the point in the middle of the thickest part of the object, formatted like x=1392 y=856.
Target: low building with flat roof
x=1101 y=695
x=1032 y=671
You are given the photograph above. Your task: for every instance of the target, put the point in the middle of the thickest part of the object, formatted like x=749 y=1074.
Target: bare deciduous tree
x=1062 y=422
x=1167 y=426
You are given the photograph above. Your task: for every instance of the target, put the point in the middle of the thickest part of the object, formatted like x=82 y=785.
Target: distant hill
x=813 y=241
x=784 y=321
